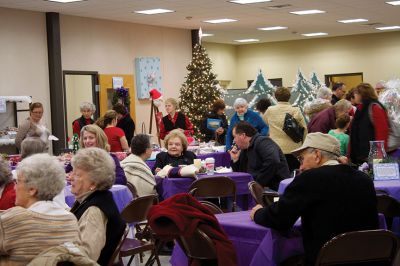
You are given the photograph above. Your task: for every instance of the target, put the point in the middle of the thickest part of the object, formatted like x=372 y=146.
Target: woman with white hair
x=321 y=102
x=7 y=187
x=36 y=224
x=100 y=224
x=242 y=113
x=87 y=110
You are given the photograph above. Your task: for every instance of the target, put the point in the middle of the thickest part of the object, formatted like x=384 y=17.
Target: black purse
x=292 y=128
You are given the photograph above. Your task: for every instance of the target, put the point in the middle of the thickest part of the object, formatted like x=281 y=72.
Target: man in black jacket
x=259 y=156
x=330 y=198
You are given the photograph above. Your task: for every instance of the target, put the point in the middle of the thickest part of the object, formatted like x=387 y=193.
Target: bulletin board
x=105 y=95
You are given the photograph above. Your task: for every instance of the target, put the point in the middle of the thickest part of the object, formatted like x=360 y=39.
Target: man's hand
x=235 y=153
x=343 y=160
x=253 y=211
x=157 y=170
x=219 y=130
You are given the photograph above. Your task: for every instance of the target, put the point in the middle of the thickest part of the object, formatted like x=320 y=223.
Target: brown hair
x=218 y=105
x=35 y=105
x=350 y=94
x=342 y=121
x=106 y=119
x=101 y=137
x=282 y=94
x=120 y=109
x=366 y=91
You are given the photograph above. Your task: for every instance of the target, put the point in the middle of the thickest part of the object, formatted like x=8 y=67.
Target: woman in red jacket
x=370 y=123
x=7 y=187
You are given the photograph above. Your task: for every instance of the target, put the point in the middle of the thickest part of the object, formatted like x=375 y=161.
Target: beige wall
x=111 y=47
x=87 y=45
x=376 y=55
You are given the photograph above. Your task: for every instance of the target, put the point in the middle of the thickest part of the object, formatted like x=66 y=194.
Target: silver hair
x=328 y=155
x=87 y=105
x=98 y=164
x=240 y=102
x=324 y=93
x=342 y=106
x=32 y=145
x=44 y=173
x=5 y=173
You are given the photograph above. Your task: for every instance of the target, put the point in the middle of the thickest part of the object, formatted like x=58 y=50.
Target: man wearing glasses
x=330 y=198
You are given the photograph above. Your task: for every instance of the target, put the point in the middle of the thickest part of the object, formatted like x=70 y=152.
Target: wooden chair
x=199 y=246
x=118 y=248
x=389 y=207
x=214 y=187
x=132 y=189
x=136 y=212
x=212 y=207
x=372 y=246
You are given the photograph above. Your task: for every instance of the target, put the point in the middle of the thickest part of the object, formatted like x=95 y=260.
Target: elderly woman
x=370 y=123
x=93 y=136
x=321 y=102
x=275 y=117
x=32 y=126
x=242 y=113
x=125 y=121
x=177 y=153
x=136 y=170
x=174 y=120
x=215 y=124
x=7 y=187
x=116 y=136
x=39 y=222
x=87 y=110
x=32 y=145
x=100 y=224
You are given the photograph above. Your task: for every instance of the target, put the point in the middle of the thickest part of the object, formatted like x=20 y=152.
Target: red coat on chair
x=186 y=214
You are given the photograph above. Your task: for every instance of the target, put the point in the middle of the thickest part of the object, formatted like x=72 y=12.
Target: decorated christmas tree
x=200 y=89
x=261 y=87
x=302 y=92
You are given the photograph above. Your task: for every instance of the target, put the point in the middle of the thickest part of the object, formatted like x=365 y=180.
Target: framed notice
x=386 y=171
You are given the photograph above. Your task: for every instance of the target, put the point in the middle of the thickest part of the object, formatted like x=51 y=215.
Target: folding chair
x=378 y=247
x=389 y=207
x=214 y=187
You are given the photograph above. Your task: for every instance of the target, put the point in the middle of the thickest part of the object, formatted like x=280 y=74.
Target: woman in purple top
x=94 y=136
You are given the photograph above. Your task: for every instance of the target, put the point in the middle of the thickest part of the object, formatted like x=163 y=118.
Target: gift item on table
x=177 y=172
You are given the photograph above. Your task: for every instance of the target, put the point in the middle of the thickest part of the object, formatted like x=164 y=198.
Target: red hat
x=155 y=94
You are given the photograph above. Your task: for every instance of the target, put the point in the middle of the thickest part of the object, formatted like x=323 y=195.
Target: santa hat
x=155 y=94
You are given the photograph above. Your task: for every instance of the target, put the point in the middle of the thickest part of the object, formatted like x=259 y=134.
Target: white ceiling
x=189 y=14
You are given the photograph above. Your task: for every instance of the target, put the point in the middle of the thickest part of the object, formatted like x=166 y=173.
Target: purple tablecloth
x=221 y=159
x=256 y=245
x=121 y=194
x=392 y=187
x=167 y=187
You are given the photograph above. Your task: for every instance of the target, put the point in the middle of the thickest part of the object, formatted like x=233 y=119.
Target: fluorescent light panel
x=356 y=20
x=245 y=2
x=315 y=34
x=207 y=34
x=222 y=20
x=273 y=28
x=247 y=40
x=393 y=3
x=154 y=11
x=388 y=28
x=308 y=12
x=65 y=1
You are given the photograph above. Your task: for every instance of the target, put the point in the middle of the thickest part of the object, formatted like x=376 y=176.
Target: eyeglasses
x=300 y=158
x=37 y=113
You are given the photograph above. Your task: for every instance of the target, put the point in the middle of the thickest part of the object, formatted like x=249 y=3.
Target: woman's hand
x=219 y=130
x=157 y=170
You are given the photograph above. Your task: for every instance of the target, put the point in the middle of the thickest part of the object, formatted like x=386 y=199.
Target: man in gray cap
x=330 y=198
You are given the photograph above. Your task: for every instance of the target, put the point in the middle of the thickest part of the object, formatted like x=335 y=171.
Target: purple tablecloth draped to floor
x=167 y=187
x=392 y=187
x=256 y=245
x=121 y=194
x=221 y=159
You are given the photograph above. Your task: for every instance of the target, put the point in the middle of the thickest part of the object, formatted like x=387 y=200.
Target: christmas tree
x=316 y=83
x=302 y=92
x=261 y=87
x=200 y=89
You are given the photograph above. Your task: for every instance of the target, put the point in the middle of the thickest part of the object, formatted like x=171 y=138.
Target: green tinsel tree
x=199 y=91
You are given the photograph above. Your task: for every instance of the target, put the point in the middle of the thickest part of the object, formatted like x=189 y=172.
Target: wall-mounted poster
x=148 y=76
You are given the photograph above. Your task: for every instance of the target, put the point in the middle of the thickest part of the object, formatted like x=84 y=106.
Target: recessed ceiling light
x=393 y=3
x=315 y=34
x=154 y=11
x=207 y=34
x=308 y=12
x=222 y=20
x=388 y=28
x=65 y=1
x=273 y=28
x=244 y=2
x=356 y=20
x=247 y=40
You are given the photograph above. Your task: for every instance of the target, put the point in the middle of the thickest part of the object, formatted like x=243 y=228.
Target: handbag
x=292 y=128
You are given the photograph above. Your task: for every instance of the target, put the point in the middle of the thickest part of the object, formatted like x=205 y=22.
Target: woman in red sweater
x=7 y=187
x=116 y=136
